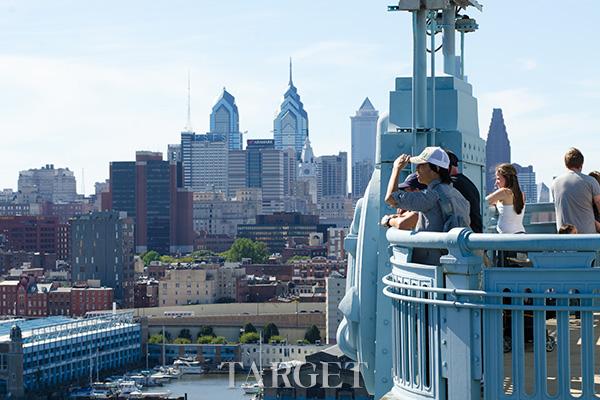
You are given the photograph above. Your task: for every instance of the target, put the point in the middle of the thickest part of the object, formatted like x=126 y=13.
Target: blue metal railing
x=538 y=218
x=516 y=333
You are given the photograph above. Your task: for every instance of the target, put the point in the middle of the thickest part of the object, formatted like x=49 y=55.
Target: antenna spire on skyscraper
x=291 y=83
x=189 y=113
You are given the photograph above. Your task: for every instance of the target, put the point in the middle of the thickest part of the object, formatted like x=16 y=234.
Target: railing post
x=461 y=327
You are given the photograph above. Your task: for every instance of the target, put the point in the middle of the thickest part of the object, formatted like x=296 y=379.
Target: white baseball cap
x=434 y=155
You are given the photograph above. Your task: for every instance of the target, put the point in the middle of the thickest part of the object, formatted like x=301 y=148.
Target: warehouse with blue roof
x=43 y=353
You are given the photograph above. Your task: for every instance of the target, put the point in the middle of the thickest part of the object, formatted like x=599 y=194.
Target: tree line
x=250 y=334
x=241 y=248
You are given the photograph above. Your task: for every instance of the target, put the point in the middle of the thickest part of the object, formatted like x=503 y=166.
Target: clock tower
x=307 y=171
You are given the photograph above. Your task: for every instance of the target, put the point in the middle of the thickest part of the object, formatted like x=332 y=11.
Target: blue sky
x=84 y=83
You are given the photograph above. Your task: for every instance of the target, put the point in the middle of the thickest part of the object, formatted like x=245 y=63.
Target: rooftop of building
x=56 y=327
x=192 y=266
x=31 y=324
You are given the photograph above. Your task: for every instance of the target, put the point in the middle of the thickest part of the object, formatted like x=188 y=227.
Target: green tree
x=199 y=254
x=181 y=340
x=204 y=339
x=277 y=339
x=291 y=260
x=312 y=334
x=249 y=328
x=250 y=337
x=150 y=256
x=167 y=259
x=268 y=331
x=157 y=338
x=218 y=340
x=246 y=248
x=206 y=331
x=185 y=334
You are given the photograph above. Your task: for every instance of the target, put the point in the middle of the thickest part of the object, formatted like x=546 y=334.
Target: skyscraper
x=526 y=177
x=543 y=193
x=174 y=153
x=364 y=135
x=225 y=120
x=205 y=162
x=263 y=167
x=254 y=160
x=290 y=127
x=237 y=172
x=148 y=191
x=290 y=172
x=272 y=181
x=497 y=148
x=332 y=175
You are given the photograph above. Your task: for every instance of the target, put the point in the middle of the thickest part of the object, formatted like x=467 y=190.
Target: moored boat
x=188 y=366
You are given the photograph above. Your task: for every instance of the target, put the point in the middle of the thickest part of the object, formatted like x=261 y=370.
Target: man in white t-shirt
x=575 y=194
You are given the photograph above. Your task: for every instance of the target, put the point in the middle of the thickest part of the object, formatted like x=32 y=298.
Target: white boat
x=165 y=374
x=144 y=380
x=252 y=388
x=174 y=373
x=188 y=366
x=150 y=395
x=128 y=387
x=104 y=390
x=255 y=388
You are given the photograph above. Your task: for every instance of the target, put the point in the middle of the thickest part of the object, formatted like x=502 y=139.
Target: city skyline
x=66 y=74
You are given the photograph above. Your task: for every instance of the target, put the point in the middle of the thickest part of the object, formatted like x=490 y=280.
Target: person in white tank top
x=509 y=200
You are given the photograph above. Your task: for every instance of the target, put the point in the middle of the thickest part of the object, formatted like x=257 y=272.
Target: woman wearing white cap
x=436 y=204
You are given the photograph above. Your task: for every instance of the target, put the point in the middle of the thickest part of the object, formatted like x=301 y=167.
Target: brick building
x=28 y=298
x=150 y=191
x=145 y=294
x=59 y=301
x=90 y=299
x=30 y=233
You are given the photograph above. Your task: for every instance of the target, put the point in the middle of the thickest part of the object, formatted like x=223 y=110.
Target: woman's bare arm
x=499 y=195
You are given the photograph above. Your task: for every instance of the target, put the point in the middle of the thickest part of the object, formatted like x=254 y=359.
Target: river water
x=207 y=386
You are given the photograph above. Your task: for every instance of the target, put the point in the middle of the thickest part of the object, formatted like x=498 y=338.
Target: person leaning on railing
x=467 y=188
x=510 y=203
x=508 y=199
x=441 y=207
x=405 y=219
x=575 y=195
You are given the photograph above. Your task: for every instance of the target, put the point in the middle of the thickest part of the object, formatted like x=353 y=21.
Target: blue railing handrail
x=489 y=306
x=481 y=293
x=469 y=241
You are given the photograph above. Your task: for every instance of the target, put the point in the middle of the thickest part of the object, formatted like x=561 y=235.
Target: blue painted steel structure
x=450 y=122
x=457 y=322
x=449 y=322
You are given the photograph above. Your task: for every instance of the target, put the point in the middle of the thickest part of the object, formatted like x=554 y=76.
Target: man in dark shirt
x=469 y=191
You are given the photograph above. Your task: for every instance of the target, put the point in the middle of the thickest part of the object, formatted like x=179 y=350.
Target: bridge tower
x=425 y=110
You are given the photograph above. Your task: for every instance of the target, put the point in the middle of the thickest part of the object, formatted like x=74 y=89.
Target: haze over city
x=85 y=84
